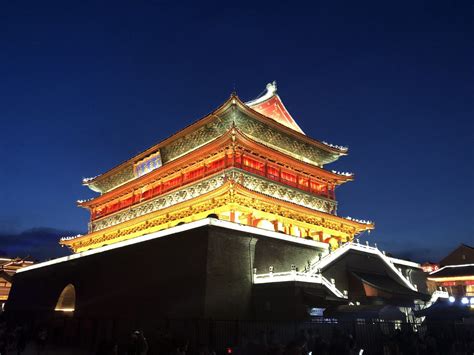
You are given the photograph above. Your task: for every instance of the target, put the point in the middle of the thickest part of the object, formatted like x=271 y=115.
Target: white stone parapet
x=294 y=275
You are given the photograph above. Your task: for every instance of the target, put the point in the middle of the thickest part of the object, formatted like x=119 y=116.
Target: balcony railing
x=294 y=275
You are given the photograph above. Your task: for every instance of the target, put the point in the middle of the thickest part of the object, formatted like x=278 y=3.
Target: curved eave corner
x=342 y=177
x=363 y=225
x=90 y=183
x=92 y=186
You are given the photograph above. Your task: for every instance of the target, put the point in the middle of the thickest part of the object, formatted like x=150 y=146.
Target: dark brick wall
x=282 y=255
x=232 y=255
x=201 y=273
x=164 y=276
x=229 y=274
x=287 y=300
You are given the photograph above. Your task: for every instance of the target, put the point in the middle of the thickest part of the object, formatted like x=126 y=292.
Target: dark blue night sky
x=86 y=85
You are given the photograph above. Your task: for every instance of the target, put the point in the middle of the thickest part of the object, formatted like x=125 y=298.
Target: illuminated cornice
x=449 y=267
x=405 y=263
x=175 y=230
x=451 y=278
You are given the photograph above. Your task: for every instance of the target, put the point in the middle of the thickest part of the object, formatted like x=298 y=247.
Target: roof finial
x=234 y=90
x=272 y=87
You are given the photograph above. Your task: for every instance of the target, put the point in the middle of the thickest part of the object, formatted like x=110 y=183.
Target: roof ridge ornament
x=270 y=91
x=272 y=87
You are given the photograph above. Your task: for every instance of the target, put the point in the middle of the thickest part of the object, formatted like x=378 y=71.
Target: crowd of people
x=311 y=342
x=322 y=340
x=437 y=341
x=15 y=339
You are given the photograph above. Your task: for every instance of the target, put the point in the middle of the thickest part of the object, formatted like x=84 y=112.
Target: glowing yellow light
x=451 y=278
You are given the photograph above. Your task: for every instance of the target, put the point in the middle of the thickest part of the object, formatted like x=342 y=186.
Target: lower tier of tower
x=234 y=196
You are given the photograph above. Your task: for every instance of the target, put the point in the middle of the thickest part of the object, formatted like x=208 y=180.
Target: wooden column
x=250 y=219
x=275 y=225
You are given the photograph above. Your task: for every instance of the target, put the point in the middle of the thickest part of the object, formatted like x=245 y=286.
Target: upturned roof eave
x=338 y=177
x=290 y=131
x=240 y=136
x=233 y=99
x=125 y=188
x=170 y=138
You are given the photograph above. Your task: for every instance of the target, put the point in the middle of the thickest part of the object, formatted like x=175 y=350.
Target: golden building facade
x=247 y=163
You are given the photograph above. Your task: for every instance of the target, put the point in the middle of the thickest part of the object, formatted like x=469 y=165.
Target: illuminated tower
x=247 y=163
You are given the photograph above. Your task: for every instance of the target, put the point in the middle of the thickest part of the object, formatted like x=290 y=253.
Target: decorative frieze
x=159 y=203
x=247 y=180
x=229 y=197
x=195 y=139
x=288 y=194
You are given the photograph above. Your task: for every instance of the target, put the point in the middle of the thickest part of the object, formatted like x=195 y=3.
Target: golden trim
x=228 y=197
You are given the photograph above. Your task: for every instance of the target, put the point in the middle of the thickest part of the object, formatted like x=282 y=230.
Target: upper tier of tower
x=265 y=120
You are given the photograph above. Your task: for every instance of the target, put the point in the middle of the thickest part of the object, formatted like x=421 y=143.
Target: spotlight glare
x=464 y=300
x=471 y=301
x=451 y=299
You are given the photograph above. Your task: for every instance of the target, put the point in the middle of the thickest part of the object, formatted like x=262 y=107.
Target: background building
x=8 y=268
x=456 y=273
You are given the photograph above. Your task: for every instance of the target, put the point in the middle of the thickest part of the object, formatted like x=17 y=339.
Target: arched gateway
x=67 y=299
